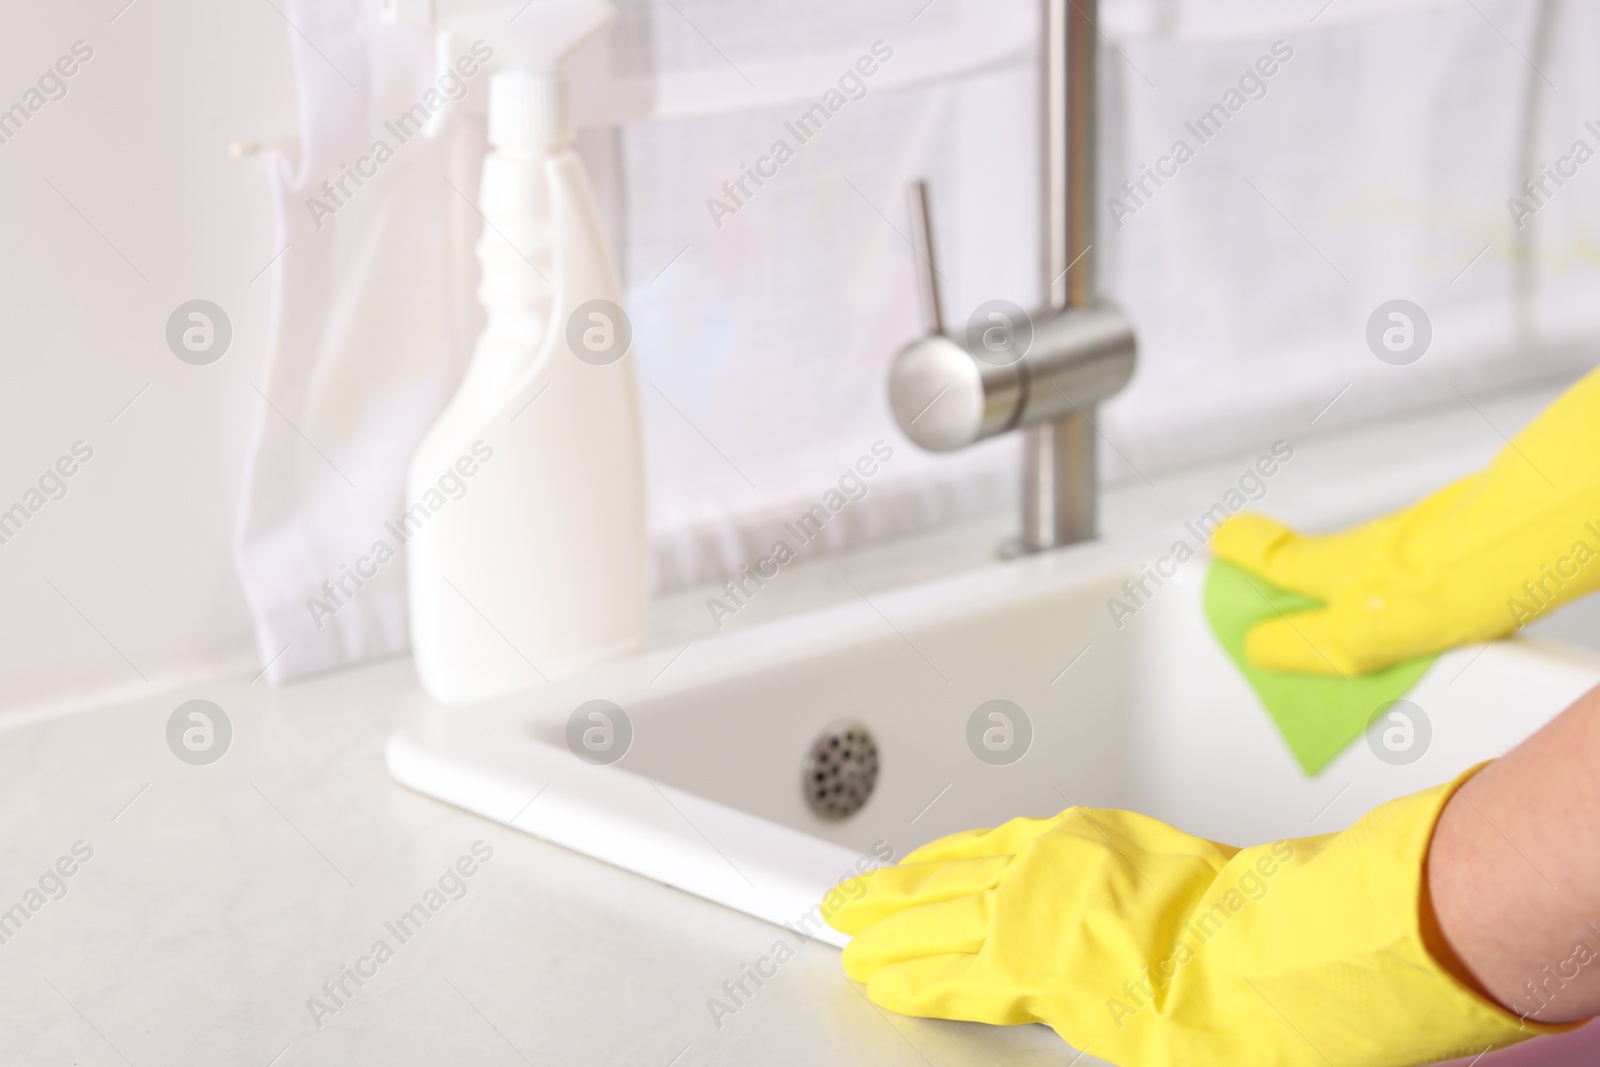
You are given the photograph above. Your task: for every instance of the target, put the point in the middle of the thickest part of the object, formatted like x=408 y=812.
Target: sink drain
x=840 y=770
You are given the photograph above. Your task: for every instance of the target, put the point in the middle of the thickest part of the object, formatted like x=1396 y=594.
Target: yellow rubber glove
x=1150 y=948
x=1471 y=563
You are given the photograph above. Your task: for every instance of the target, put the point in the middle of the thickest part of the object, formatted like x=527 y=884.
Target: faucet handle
x=927 y=268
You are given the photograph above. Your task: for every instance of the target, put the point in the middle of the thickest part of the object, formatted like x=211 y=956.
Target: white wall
x=121 y=202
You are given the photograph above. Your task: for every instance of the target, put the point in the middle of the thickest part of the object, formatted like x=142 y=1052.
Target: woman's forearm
x=1514 y=873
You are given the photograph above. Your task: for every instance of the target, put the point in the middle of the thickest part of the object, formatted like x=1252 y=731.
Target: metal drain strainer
x=840 y=770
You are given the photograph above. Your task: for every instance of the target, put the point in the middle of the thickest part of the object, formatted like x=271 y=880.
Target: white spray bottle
x=534 y=564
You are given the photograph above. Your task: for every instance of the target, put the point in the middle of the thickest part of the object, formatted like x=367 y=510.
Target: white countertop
x=218 y=899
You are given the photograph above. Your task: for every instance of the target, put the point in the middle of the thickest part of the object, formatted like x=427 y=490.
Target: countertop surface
x=217 y=899
x=211 y=909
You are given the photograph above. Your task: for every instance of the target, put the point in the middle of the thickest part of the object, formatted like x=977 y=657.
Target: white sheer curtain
x=1378 y=166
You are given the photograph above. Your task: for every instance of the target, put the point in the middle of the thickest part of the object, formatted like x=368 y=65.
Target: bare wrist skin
x=1513 y=874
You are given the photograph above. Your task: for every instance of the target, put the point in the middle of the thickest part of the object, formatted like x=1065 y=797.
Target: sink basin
x=1147 y=715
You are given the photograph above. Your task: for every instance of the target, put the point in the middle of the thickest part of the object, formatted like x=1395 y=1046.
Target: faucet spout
x=1048 y=374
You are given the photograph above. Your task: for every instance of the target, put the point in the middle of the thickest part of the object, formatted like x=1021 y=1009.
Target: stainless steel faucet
x=1042 y=373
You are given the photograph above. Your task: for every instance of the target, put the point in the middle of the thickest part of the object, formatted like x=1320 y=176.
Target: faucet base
x=1058 y=483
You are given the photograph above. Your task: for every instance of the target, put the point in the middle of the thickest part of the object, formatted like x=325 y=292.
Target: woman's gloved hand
x=1148 y=947
x=1471 y=563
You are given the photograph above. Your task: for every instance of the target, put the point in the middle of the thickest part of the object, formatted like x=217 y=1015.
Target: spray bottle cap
x=529 y=41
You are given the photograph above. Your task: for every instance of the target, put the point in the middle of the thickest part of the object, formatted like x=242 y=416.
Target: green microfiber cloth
x=1318 y=716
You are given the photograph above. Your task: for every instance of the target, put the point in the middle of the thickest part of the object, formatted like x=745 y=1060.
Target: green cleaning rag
x=1317 y=715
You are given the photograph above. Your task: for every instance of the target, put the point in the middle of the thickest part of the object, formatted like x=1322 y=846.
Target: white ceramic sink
x=1151 y=717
